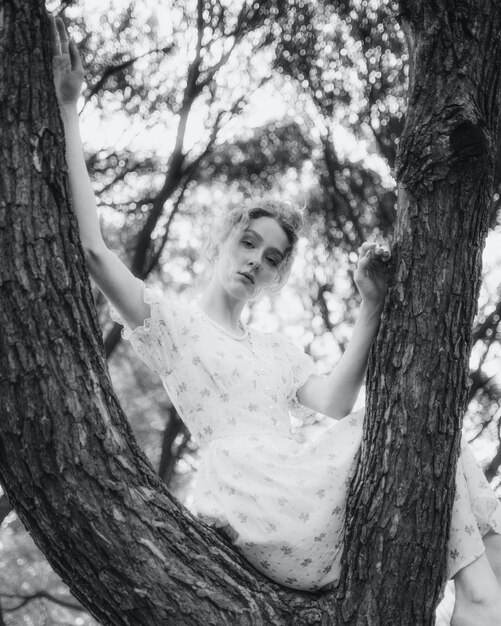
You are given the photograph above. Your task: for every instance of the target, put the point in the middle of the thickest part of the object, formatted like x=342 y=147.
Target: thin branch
x=115 y=69
x=217 y=125
x=491 y=322
x=170 y=455
x=479 y=380
x=156 y=255
x=38 y=595
x=492 y=469
x=211 y=72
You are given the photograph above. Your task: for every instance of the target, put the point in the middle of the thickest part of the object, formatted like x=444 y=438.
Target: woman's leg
x=478 y=595
x=492 y=542
x=476 y=509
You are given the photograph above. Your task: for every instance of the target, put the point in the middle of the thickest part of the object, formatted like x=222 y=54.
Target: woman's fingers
x=373 y=271
x=383 y=252
x=54 y=36
x=369 y=249
x=76 y=61
x=63 y=37
x=66 y=63
x=75 y=57
x=366 y=246
x=374 y=259
x=61 y=44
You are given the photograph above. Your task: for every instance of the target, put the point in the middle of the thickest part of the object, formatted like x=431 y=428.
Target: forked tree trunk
x=68 y=461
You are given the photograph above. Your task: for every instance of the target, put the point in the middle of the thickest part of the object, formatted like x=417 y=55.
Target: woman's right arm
x=111 y=276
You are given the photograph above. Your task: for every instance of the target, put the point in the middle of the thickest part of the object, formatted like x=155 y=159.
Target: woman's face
x=249 y=261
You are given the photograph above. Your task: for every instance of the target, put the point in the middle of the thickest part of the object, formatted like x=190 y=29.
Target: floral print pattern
x=280 y=501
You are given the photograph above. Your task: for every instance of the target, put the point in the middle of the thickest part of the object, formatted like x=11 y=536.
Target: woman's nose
x=254 y=262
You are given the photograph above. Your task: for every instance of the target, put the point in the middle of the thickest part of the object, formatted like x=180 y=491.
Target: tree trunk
x=171 y=453
x=68 y=460
x=417 y=390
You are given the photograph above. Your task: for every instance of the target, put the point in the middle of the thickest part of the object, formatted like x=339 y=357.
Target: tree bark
x=69 y=463
x=401 y=497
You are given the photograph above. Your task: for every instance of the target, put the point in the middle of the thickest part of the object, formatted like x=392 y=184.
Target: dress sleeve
x=302 y=367
x=156 y=341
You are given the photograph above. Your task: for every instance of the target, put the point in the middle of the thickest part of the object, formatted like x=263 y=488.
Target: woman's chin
x=243 y=286
x=239 y=291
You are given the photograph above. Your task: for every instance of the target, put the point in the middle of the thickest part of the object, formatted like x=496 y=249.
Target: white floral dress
x=280 y=501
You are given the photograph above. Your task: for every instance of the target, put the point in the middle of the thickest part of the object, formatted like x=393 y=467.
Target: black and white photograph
x=250 y=313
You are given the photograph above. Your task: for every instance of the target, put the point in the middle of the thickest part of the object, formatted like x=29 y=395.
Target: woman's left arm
x=336 y=394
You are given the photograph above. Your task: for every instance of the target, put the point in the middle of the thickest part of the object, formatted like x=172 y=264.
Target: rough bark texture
x=68 y=461
x=402 y=494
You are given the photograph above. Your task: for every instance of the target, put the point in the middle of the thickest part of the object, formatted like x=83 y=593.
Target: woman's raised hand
x=371 y=275
x=66 y=64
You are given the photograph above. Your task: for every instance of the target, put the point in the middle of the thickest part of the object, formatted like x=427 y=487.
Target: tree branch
x=26 y=598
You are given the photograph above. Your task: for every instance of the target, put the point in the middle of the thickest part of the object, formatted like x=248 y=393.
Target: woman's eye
x=247 y=244
x=272 y=261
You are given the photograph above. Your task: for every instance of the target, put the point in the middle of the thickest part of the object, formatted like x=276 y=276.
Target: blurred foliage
x=24 y=573
x=349 y=61
x=189 y=108
x=259 y=157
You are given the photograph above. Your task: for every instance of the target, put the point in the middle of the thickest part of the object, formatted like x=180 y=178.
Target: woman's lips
x=247 y=277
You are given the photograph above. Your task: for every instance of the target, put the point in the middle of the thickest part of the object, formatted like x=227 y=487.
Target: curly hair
x=238 y=218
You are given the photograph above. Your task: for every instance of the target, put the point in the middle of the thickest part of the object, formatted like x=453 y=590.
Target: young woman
x=281 y=502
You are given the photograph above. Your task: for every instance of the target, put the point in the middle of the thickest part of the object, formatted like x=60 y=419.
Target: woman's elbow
x=338 y=408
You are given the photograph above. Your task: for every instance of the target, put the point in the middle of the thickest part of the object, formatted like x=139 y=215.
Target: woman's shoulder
x=171 y=309
x=168 y=297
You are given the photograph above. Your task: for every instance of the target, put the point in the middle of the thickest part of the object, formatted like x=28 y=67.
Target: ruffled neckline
x=221 y=329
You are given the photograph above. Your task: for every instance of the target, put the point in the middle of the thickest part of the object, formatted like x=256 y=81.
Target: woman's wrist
x=372 y=310
x=68 y=112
